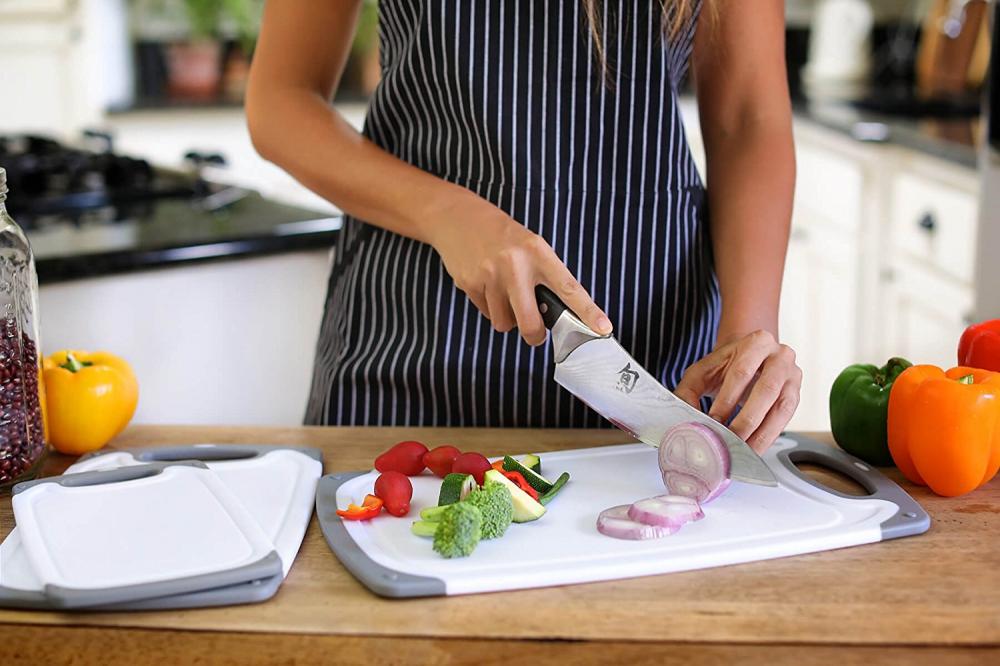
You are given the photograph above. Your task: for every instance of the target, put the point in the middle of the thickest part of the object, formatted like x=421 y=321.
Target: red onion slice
x=694 y=462
x=666 y=511
x=614 y=522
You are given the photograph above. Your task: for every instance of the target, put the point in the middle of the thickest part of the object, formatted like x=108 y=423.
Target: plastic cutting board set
x=160 y=528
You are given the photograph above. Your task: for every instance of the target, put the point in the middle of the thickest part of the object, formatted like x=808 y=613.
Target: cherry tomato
x=395 y=490
x=475 y=464
x=406 y=458
x=440 y=459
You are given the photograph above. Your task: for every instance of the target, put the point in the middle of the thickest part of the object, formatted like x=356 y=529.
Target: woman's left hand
x=757 y=374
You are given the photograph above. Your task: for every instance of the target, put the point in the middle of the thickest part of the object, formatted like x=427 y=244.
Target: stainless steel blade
x=600 y=372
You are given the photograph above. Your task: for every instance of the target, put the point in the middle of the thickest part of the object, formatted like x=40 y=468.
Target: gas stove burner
x=50 y=181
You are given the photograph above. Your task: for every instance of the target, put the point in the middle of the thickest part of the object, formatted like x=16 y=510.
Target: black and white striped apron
x=508 y=99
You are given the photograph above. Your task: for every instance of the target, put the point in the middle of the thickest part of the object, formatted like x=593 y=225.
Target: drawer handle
x=928 y=222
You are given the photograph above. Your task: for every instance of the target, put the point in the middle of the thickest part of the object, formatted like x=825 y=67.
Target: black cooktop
x=89 y=211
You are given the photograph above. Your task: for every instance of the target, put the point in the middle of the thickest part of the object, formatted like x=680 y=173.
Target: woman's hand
x=753 y=372
x=497 y=262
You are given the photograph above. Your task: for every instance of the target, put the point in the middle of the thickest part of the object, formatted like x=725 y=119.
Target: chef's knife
x=597 y=370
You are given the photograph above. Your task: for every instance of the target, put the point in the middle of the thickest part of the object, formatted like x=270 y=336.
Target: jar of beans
x=22 y=429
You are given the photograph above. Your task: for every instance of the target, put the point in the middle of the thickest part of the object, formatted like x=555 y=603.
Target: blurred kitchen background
x=161 y=235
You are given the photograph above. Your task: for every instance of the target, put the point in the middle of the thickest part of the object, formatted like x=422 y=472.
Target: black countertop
x=951 y=139
x=176 y=233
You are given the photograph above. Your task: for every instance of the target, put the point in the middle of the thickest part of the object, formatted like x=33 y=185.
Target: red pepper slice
x=518 y=478
x=371 y=507
x=498 y=466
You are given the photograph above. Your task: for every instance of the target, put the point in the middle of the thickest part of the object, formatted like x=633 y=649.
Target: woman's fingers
x=778 y=416
x=778 y=369
x=746 y=361
x=696 y=382
x=521 y=292
x=478 y=299
x=500 y=313
x=558 y=278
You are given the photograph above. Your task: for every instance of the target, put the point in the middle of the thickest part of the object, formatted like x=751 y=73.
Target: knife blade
x=598 y=371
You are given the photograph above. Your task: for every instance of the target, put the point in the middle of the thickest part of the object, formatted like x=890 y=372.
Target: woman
x=512 y=143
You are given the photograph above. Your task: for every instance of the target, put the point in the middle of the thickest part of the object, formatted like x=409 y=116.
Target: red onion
x=666 y=511
x=694 y=462
x=614 y=522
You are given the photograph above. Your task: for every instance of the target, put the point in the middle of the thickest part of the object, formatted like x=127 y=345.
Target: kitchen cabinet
x=817 y=312
x=881 y=257
x=923 y=314
x=222 y=342
x=47 y=61
x=927 y=284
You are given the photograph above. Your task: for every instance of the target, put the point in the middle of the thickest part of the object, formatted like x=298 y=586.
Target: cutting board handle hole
x=831 y=478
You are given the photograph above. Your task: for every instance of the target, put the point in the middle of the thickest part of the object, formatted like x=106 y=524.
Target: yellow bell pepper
x=89 y=399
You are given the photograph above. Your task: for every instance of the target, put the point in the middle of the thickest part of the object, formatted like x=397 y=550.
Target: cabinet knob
x=928 y=222
x=887 y=274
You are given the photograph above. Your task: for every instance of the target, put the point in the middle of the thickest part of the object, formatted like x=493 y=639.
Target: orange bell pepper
x=89 y=399
x=944 y=427
x=370 y=507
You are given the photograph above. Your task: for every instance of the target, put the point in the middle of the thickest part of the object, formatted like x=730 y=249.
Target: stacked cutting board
x=174 y=527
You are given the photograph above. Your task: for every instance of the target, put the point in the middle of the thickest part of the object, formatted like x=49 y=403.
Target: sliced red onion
x=666 y=511
x=614 y=522
x=694 y=462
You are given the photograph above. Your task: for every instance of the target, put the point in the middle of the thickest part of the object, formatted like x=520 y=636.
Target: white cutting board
x=745 y=524
x=170 y=527
x=275 y=484
x=276 y=487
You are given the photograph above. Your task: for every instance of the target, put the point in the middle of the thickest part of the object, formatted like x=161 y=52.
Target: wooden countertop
x=934 y=598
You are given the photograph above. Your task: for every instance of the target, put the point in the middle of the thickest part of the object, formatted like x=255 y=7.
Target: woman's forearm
x=299 y=131
x=300 y=56
x=750 y=187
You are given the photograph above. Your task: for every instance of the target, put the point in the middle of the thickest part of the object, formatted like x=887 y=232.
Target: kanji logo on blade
x=627 y=379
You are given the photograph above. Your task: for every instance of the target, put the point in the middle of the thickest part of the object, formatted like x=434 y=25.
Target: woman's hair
x=674 y=16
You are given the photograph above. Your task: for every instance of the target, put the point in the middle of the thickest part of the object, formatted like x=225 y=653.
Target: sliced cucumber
x=455 y=488
x=534 y=479
x=433 y=513
x=556 y=487
x=532 y=462
x=526 y=509
x=424 y=528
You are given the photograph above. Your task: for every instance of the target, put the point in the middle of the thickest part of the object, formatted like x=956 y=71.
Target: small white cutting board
x=275 y=484
x=112 y=536
x=745 y=524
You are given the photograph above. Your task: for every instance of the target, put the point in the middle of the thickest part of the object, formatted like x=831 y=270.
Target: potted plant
x=194 y=64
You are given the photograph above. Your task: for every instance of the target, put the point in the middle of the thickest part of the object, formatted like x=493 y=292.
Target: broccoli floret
x=497 y=507
x=459 y=530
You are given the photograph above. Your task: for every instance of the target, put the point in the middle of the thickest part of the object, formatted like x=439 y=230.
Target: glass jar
x=22 y=429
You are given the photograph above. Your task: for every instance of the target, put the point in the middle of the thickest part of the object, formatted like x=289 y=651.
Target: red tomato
x=395 y=490
x=406 y=458
x=475 y=464
x=440 y=459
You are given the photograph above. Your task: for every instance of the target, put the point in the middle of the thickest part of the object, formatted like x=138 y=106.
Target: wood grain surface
x=858 y=605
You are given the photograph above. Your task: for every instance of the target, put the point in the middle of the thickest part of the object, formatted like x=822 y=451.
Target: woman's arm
x=740 y=78
x=299 y=59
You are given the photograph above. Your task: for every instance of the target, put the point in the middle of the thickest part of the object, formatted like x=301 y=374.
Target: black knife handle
x=549 y=305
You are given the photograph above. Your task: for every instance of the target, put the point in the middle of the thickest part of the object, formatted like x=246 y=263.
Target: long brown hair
x=674 y=15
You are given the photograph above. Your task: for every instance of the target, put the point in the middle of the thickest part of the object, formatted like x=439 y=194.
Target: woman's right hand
x=497 y=262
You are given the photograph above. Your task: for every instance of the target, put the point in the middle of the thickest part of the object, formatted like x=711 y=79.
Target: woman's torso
x=508 y=99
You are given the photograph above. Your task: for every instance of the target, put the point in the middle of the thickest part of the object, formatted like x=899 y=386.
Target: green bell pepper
x=859 y=408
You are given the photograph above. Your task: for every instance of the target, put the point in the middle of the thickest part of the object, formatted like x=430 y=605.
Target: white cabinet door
x=818 y=315
x=227 y=342
x=925 y=314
